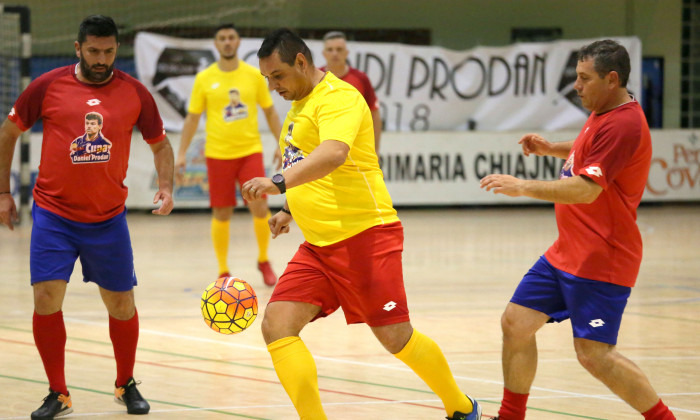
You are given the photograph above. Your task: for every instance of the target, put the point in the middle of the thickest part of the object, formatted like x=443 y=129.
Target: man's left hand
x=166 y=205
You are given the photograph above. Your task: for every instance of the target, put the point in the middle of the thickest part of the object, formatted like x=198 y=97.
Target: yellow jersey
x=353 y=197
x=231 y=101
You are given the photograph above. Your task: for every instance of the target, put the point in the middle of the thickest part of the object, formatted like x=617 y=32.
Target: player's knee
x=274 y=327
x=588 y=361
x=123 y=311
x=267 y=328
x=594 y=358
x=520 y=323
x=286 y=319
x=510 y=326
x=47 y=299
x=120 y=305
x=44 y=304
x=394 y=337
x=42 y=298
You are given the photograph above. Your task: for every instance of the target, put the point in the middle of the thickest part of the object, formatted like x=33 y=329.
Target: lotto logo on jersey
x=594 y=171
x=12 y=112
x=93 y=146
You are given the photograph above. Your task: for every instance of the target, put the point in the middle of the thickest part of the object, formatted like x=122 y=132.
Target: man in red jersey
x=588 y=273
x=335 y=51
x=79 y=201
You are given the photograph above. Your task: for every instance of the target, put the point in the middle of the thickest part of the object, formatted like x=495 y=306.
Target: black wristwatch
x=278 y=180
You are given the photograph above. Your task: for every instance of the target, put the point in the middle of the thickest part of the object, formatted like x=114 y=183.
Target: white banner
x=426 y=169
x=526 y=86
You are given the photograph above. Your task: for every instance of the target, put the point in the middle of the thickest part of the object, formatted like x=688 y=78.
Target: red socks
x=50 y=338
x=659 y=412
x=513 y=406
x=125 y=336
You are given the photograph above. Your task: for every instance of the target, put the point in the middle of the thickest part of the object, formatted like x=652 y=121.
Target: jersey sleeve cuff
x=595 y=174
x=155 y=139
x=15 y=119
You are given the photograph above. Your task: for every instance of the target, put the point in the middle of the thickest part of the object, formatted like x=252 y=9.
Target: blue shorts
x=595 y=307
x=104 y=249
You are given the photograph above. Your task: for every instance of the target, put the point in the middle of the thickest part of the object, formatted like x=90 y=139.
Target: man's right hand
x=8 y=211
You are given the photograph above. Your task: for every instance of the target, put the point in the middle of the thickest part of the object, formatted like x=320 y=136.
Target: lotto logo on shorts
x=596 y=323
x=389 y=306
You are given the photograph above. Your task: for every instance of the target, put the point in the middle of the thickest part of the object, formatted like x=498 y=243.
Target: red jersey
x=361 y=83
x=601 y=240
x=86 y=141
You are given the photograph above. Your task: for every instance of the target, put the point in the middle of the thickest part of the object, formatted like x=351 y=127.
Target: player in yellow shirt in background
x=229 y=91
x=354 y=240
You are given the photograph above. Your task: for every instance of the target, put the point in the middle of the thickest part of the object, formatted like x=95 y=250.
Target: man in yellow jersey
x=229 y=91
x=354 y=240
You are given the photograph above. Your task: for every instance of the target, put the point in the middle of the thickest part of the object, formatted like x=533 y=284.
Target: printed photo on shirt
x=236 y=110
x=93 y=146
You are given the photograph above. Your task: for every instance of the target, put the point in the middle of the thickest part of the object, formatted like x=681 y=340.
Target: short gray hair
x=334 y=35
x=608 y=55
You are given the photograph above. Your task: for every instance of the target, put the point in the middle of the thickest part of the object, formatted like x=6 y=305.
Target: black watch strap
x=286 y=211
x=278 y=180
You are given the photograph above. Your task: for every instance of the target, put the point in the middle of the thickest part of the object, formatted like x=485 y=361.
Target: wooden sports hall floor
x=461 y=267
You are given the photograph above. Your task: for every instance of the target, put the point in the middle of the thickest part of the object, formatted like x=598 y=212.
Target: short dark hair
x=287 y=44
x=94 y=116
x=99 y=26
x=224 y=26
x=607 y=55
x=334 y=35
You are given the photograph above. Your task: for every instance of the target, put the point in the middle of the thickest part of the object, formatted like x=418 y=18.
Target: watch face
x=278 y=180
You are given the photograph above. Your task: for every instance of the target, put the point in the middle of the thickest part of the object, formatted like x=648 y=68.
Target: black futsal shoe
x=129 y=396
x=475 y=414
x=55 y=405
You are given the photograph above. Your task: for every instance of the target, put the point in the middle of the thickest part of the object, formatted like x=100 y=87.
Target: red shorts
x=224 y=173
x=362 y=274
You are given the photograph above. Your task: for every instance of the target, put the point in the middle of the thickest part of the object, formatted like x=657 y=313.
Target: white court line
x=403 y=368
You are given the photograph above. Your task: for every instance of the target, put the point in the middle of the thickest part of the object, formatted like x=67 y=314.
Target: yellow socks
x=296 y=370
x=426 y=359
x=262 y=233
x=220 y=238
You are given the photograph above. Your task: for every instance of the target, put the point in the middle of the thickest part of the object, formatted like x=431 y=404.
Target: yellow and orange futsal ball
x=229 y=305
